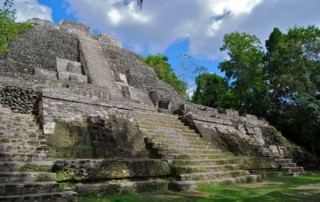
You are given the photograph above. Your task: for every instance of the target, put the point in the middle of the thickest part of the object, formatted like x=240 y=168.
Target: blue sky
x=176 y=27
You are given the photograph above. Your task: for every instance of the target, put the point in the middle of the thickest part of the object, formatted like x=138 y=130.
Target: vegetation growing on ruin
x=9 y=30
x=165 y=72
x=281 y=84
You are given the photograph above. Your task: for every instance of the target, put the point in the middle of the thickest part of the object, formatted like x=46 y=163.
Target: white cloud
x=28 y=9
x=160 y=23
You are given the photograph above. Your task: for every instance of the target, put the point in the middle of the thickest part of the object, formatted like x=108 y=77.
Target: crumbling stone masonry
x=78 y=108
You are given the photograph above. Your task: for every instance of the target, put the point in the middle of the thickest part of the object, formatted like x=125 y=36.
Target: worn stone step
x=293 y=169
x=121 y=186
x=68 y=196
x=304 y=173
x=155 y=114
x=192 y=185
x=200 y=162
x=189 y=151
x=157 y=120
x=28 y=188
x=172 y=131
x=26 y=176
x=7 y=156
x=285 y=165
x=183 y=146
x=171 y=141
x=211 y=175
x=283 y=160
x=197 y=156
x=167 y=128
x=153 y=134
x=37 y=166
x=205 y=168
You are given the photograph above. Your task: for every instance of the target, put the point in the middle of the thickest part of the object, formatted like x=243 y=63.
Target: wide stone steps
x=7 y=156
x=289 y=168
x=191 y=185
x=28 y=188
x=26 y=176
x=170 y=141
x=211 y=175
x=193 y=159
x=7 y=166
x=204 y=168
x=68 y=196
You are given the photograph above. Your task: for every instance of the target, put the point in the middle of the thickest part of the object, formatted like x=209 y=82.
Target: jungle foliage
x=281 y=84
x=9 y=30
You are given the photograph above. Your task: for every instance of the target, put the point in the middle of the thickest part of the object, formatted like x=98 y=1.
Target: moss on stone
x=70 y=140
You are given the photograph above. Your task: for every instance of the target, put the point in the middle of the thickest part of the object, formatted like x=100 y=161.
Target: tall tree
x=243 y=70
x=293 y=72
x=210 y=90
x=164 y=72
x=293 y=66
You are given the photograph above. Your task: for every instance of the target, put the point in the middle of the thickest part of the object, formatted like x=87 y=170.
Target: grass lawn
x=280 y=188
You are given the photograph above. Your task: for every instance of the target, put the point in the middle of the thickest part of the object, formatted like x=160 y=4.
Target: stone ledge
x=121 y=186
x=110 y=169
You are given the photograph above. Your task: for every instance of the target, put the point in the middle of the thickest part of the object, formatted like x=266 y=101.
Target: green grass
x=279 y=188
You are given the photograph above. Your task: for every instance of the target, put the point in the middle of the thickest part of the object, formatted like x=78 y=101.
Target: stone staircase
x=24 y=162
x=194 y=160
x=288 y=167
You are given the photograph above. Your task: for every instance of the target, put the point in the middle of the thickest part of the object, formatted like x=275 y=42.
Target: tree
x=243 y=70
x=140 y=2
x=293 y=65
x=7 y=13
x=9 y=30
x=164 y=72
x=293 y=72
x=210 y=90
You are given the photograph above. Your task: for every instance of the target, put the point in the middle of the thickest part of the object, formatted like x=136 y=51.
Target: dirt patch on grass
x=177 y=195
x=309 y=186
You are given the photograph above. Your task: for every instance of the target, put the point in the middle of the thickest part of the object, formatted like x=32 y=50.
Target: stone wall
x=84 y=127
x=19 y=99
x=83 y=170
x=243 y=135
x=140 y=76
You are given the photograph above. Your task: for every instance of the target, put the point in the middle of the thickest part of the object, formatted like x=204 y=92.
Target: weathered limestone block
x=41 y=22
x=116 y=137
x=121 y=187
x=110 y=169
x=70 y=71
x=52 y=75
x=108 y=39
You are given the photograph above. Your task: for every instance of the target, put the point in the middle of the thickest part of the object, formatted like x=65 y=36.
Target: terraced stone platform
x=194 y=160
x=24 y=162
